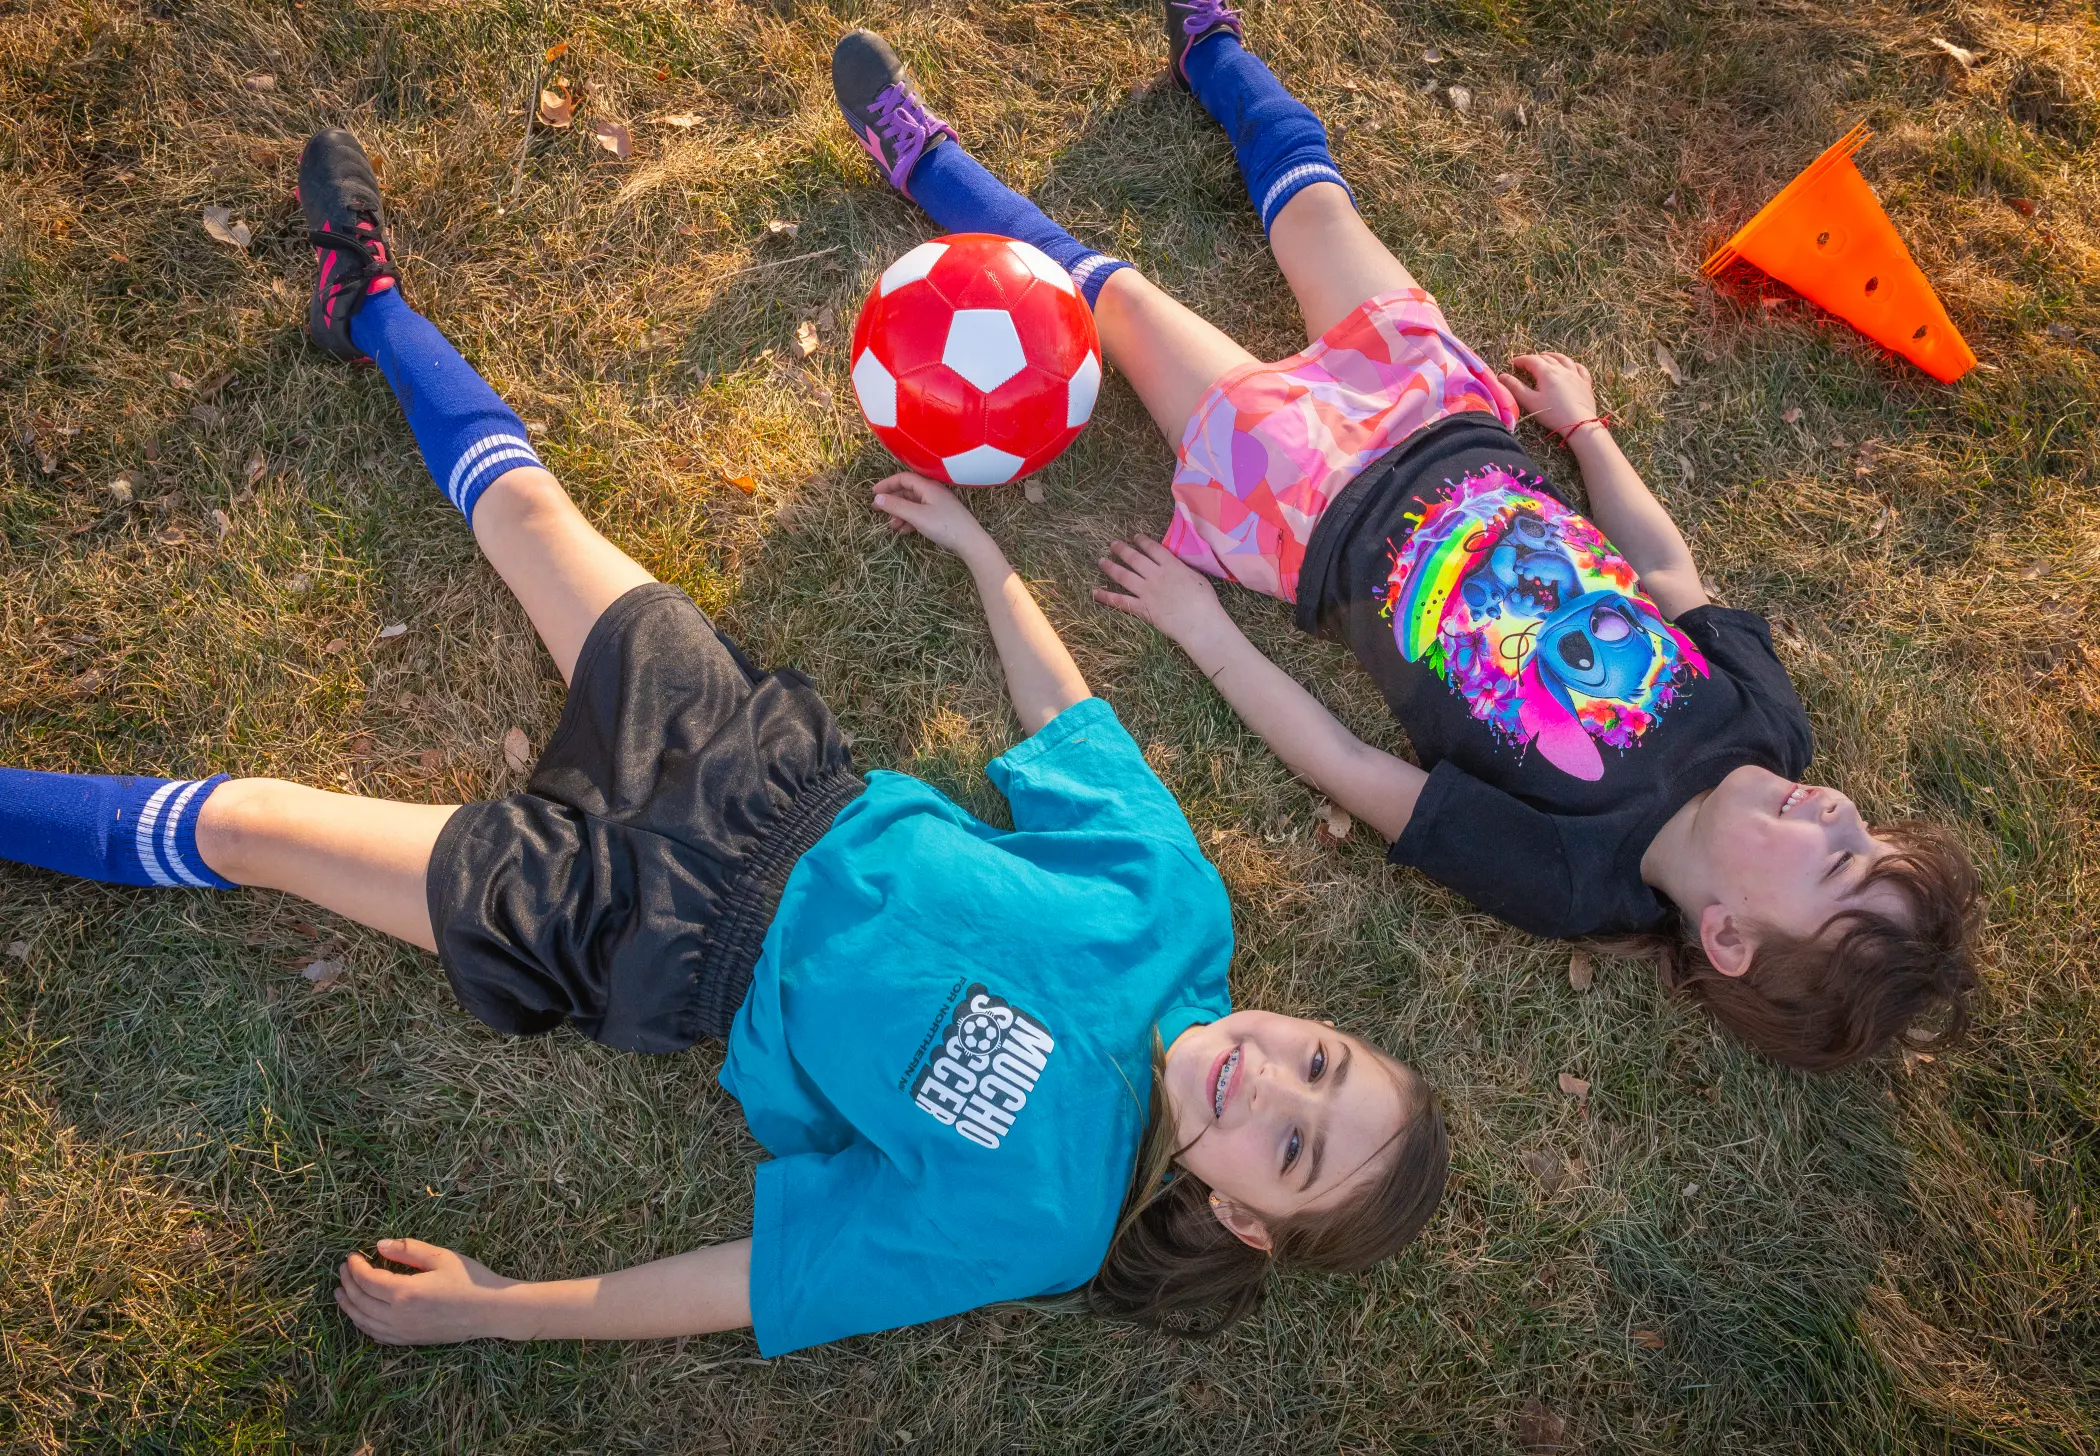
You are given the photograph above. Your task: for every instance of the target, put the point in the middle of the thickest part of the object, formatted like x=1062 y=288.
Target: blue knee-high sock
x=123 y=830
x=467 y=435
x=1281 y=146
x=962 y=197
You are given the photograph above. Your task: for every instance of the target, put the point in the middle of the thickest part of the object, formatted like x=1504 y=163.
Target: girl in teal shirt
x=988 y=1064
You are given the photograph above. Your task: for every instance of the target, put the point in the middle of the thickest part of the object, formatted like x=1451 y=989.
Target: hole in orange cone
x=1921 y=331
x=1822 y=240
x=1872 y=284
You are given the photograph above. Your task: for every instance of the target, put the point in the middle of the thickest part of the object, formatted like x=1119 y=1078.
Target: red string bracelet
x=1562 y=435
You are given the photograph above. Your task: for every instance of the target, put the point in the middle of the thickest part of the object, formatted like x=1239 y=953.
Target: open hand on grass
x=914 y=503
x=450 y=1298
x=1161 y=588
x=1562 y=396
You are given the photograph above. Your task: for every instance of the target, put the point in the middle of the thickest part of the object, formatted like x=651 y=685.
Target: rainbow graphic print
x=1529 y=614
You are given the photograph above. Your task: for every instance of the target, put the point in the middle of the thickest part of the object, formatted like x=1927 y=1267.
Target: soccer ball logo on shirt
x=987 y=1064
x=975 y=359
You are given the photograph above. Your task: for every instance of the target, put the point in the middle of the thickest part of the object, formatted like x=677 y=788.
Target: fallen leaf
x=1648 y=1339
x=2036 y=571
x=684 y=121
x=205 y=414
x=1033 y=493
x=2022 y=205
x=2062 y=331
x=535 y=428
x=1574 y=1086
x=430 y=759
x=1684 y=465
x=210 y=388
x=299 y=583
x=517 y=750
x=324 y=973
x=19 y=950
x=557 y=108
x=781 y=228
x=743 y=483
x=87 y=682
x=170 y=535
x=1503 y=182
x=119 y=490
x=222 y=523
x=1883 y=521
x=613 y=139
x=1335 y=822
x=334 y=645
x=827 y=319
x=254 y=469
x=1545 y=1165
x=363 y=746
x=1459 y=97
x=180 y=380
x=218 y=221
x=1539 y=1429
x=806 y=340
x=1668 y=362
x=1691 y=1190
x=556 y=51
x=1962 y=55
x=1581 y=973
x=1432 y=56
x=1791 y=414
x=392 y=630
x=262 y=81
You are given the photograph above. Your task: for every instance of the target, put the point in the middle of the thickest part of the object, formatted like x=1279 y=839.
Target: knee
x=239 y=823
x=524 y=496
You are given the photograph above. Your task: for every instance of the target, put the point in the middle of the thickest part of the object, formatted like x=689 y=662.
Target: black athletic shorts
x=627 y=890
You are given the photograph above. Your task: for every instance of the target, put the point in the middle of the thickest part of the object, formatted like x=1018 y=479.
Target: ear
x=1240 y=1223
x=1726 y=943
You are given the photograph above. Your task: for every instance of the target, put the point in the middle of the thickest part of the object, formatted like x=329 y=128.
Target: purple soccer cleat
x=883 y=106
x=1189 y=21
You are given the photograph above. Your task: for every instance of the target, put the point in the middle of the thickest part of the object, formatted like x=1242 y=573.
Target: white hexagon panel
x=1081 y=390
x=985 y=465
x=984 y=347
x=876 y=389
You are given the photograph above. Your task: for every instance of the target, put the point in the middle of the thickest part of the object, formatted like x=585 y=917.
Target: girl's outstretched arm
x=1369 y=783
x=451 y=1298
x=1041 y=677
x=1621 y=504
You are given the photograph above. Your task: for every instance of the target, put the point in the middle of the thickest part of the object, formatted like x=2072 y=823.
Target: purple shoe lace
x=908 y=128
x=1198 y=19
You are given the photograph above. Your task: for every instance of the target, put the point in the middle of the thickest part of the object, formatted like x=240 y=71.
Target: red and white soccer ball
x=975 y=360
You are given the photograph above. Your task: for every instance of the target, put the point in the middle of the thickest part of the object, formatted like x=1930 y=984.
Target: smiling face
x=1282 y=1116
x=1785 y=855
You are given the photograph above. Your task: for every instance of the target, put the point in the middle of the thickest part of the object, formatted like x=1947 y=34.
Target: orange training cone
x=1826 y=237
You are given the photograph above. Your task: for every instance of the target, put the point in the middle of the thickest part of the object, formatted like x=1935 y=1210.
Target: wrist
x=981 y=554
x=513 y=1311
x=1589 y=429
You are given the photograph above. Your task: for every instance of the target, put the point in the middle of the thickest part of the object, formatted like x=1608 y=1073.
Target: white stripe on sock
x=1305 y=173
x=1091 y=264
x=175 y=861
x=143 y=838
x=482 y=466
x=473 y=452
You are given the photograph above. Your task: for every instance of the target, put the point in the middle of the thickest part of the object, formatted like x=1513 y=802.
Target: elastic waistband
x=738 y=934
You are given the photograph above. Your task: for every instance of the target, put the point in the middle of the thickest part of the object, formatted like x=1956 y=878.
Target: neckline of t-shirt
x=1704 y=774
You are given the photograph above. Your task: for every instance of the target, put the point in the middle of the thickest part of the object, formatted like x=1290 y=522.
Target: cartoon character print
x=1529 y=614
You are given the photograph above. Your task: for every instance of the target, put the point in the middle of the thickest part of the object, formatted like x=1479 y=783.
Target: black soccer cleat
x=346 y=223
x=882 y=105
x=1189 y=21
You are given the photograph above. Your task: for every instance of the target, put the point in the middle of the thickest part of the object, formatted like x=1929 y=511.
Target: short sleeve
x=1500 y=853
x=1083 y=770
x=840 y=1245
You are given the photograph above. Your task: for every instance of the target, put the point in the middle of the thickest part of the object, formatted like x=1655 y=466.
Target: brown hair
x=1173 y=1266
x=1846 y=992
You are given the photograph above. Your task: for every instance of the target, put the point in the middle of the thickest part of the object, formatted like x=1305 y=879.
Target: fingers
x=1155 y=550
x=1122 y=575
x=414 y=1253
x=1120 y=602
x=374 y=1283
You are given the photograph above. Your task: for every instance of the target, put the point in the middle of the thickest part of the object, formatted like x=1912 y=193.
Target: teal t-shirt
x=947 y=1045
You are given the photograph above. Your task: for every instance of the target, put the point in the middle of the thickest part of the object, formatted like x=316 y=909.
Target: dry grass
x=1898 y=1259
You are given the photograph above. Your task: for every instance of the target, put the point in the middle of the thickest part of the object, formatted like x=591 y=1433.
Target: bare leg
x=554 y=561
x=363 y=858
x=1169 y=355
x=1331 y=260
